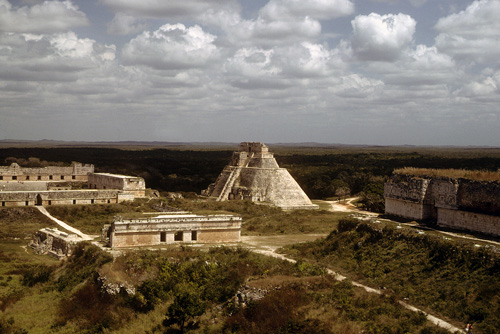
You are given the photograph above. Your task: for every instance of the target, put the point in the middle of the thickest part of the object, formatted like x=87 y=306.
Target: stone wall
x=479 y=196
x=133 y=184
x=75 y=172
x=469 y=221
x=454 y=203
x=60 y=197
x=54 y=242
x=405 y=209
x=168 y=229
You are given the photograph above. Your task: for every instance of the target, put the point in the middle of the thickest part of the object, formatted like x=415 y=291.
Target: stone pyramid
x=254 y=174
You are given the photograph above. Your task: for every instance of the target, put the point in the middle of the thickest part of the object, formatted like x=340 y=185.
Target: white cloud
x=56 y=57
x=279 y=22
x=171 y=47
x=47 y=17
x=270 y=33
x=355 y=86
x=487 y=87
x=252 y=62
x=472 y=34
x=162 y=8
x=125 y=24
x=381 y=37
x=286 y=10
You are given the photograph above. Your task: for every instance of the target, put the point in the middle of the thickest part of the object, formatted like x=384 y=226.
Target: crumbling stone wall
x=455 y=203
x=54 y=242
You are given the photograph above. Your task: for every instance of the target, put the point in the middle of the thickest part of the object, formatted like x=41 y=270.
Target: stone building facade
x=173 y=228
x=76 y=172
x=254 y=174
x=53 y=185
x=454 y=203
x=130 y=184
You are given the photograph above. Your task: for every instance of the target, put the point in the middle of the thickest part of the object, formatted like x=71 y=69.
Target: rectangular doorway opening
x=163 y=236
x=178 y=236
x=194 y=235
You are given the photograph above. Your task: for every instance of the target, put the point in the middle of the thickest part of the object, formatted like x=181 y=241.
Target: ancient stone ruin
x=53 y=242
x=253 y=174
x=172 y=228
x=456 y=203
x=53 y=185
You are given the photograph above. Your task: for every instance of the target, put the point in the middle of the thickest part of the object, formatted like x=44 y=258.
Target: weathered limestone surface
x=132 y=184
x=54 y=242
x=406 y=209
x=455 y=203
x=471 y=221
x=53 y=186
x=173 y=228
x=254 y=174
x=76 y=172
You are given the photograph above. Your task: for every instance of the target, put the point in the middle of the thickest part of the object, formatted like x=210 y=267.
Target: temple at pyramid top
x=254 y=174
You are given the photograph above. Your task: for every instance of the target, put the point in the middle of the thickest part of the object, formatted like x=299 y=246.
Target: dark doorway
x=178 y=236
x=39 y=200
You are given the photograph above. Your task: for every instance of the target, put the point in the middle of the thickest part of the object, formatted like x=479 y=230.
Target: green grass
x=22 y=222
x=450 y=278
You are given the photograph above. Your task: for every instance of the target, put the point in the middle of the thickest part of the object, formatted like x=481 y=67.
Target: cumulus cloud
x=472 y=34
x=285 y=10
x=47 y=17
x=279 y=22
x=162 y=8
x=125 y=24
x=487 y=87
x=381 y=37
x=171 y=47
x=56 y=57
x=356 y=86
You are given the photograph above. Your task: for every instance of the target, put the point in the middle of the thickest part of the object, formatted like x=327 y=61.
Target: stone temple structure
x=456 y=203
x=254 y=174
x=172 y=228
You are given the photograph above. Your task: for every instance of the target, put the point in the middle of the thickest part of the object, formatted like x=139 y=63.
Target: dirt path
x=64 y=225
x=267 y=245
x=347 y=206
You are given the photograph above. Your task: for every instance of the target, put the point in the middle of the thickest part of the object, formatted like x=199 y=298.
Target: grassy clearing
x=267 y=220
x=90 y=218
x=22 y=222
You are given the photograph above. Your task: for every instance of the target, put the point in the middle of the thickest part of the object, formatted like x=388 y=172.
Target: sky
x=374 y=72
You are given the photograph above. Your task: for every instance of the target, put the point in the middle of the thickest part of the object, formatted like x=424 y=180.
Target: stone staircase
x=228 y=186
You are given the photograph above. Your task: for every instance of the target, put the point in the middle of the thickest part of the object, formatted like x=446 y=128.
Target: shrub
x=37 y=274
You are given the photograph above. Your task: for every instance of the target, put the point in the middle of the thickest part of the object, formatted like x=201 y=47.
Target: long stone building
x=76 y=172
x=254 y=174
x=53 y=185
x=172 y=228
x=456 y=203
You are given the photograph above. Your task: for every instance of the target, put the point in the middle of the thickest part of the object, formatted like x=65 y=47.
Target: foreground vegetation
x=456 y=280
x=183 y=290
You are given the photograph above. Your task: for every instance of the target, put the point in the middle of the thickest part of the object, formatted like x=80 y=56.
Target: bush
x=37 y=274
